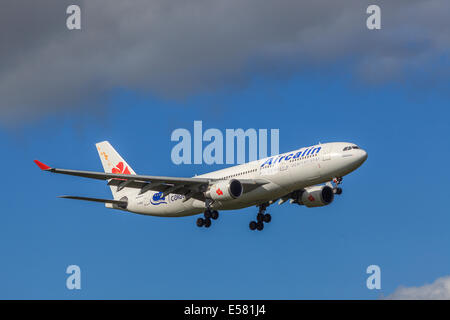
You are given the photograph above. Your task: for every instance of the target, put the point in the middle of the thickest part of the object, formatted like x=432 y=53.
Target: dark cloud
x=173 y=49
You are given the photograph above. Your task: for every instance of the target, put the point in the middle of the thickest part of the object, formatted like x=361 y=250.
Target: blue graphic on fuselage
x=158 y=199
x=287 y=157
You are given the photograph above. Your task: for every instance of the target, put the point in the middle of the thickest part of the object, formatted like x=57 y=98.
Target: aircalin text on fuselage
x=308 y=176
x=301 y=153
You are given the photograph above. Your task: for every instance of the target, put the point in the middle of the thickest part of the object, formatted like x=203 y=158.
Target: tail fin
x=112 y=162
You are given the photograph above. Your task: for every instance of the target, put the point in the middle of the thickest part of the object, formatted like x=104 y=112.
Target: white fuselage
x=284 y=173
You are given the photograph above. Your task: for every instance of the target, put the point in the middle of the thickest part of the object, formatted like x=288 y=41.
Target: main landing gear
x=206 y=221
x=261 y=217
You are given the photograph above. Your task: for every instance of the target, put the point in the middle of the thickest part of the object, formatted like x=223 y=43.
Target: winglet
x=42 y=165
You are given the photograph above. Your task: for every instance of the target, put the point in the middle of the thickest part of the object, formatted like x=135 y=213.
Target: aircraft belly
x=287 y=180
x=259 y=195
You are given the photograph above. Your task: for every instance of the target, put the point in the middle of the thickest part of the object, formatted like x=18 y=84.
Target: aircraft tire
x=214 y=214
x=200 y=222
x=208 y=214
x=260 y=225
x=252 y=225
x=207 y=222
x=260 y=217
x=267 y=218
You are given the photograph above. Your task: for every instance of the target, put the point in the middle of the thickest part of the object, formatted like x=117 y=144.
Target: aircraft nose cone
x=363 y=156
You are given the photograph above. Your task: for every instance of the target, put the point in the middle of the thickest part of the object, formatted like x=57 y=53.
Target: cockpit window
x=350 y=148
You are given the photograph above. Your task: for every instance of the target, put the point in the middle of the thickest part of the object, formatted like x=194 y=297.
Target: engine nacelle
x=225 y=190
x=317 y=196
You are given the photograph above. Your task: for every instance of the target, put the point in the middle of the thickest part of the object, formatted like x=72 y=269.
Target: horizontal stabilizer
x=119 y=203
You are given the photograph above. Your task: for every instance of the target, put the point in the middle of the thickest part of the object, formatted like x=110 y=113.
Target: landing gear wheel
x=207 y=222
x=338 y=190
x=207 y=214
x=214 y=214
x=260 y=217
x=200 y=222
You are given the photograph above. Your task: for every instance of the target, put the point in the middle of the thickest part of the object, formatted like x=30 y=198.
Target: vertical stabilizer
x=113 y=163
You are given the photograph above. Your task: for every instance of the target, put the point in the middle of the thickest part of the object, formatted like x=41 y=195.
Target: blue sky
x=393 y=211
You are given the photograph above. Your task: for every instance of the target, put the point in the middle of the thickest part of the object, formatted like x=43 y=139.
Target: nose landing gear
x=261 y=217
x=337 y=181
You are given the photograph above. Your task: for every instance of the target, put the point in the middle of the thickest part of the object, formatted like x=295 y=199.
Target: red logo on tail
x=119 y=169
x=219 y=192
x=311 y=198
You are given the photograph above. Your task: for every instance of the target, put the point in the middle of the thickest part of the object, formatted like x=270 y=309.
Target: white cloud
x=438 y=290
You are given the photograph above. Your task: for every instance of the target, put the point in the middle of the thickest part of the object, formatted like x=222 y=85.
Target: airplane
x=308 y=176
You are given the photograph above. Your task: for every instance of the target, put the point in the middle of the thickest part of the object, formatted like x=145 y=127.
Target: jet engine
x=317 y=196
x=225 y=190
